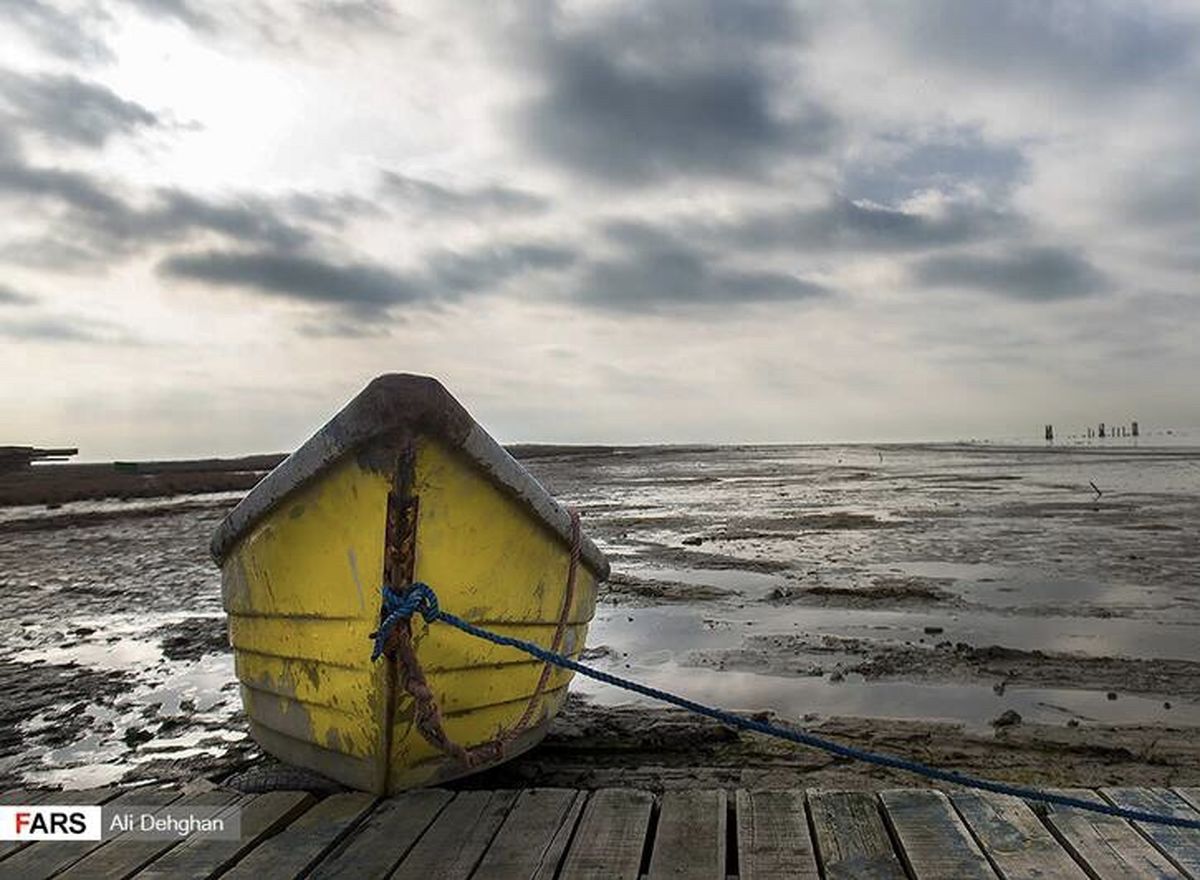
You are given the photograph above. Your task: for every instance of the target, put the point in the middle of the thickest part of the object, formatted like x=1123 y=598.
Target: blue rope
x=420 y=598
x=401 y=605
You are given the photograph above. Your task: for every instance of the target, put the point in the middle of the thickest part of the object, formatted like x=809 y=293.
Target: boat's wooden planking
x=302 y=593
x=491 y=562
x=484 y=552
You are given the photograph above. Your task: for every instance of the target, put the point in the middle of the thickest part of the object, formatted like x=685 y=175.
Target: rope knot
x=401 y=605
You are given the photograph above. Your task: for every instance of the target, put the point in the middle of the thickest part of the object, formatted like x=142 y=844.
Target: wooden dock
x=435 y=834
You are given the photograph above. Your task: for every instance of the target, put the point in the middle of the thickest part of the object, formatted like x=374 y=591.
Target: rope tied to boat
x=394 y=638
x=401 y=605
x=420 y=597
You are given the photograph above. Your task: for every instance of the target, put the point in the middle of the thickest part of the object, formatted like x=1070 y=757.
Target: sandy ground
x=901 y=598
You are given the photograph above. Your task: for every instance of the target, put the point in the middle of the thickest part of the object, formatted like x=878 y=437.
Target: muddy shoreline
x=894 y=598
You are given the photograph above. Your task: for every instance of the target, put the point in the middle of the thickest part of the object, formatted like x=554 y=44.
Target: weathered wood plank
x=852 y=841
x=18 y=797
x=1180 y=845
x=1109 y=847
x=385 y=836
x=690 y=840
x=1191 y=795
x=304 y=841
x=566 y=833
x=456 y=841
x=41 y=860
x=262 y=816
x=772 y=836
x=934 y=843
x=1013 y=837
x=531 y=842
x=611 y=835
x=122 y=856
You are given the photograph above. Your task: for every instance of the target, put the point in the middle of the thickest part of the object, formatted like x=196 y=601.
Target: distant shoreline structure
x=61 y=483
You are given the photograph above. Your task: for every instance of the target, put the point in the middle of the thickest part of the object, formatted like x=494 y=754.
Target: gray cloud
x=334 y=329
x=183 y=11
x=58 y=329
x=945 y=164
x=1036 y=274
x=858 y=226
x=73 y=189
x=1087 y=45
x=10 y=297
x=373 y=14
x=358 y=287
x=658 y=272
x=89 y=222
x=326 y=209
x=9 y=148
x=67 y=35
x=54 y=251
x=434 y=198
x=300 y=28
x=1166 y=195
x=617 y=106
x=450 y=273
x=248 y=219
x=69 y=110
x=365 y=290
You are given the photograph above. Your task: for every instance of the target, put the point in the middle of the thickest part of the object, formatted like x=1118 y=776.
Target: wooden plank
x=690 y=840
x=303 y=842
x=262 y=816
x=1191 y=795
x=611 y=835
x=124 y=855
x=1180 y=845
x=772 y=836
x=385 y=836
x=562 y=839
x=1013 y=837
x=934 y=843
x=41 y=860
x=1108 y=847
x=19 y=797
x=533 y=838
x=456 y=841
x=852 y=841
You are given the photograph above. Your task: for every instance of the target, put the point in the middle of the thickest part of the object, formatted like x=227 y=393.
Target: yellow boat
x=401 y=486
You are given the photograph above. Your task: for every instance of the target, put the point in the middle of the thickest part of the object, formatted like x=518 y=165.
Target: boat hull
x=302 y=587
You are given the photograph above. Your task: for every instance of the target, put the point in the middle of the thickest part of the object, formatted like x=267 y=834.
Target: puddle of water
x=192 y=701
x=1014 y=587
x=751 y=583
x=122 y=655
x=682 y=629
x=78 y=778
x=971 y=705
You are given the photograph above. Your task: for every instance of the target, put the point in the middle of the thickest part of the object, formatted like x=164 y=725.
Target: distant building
x=14 y=458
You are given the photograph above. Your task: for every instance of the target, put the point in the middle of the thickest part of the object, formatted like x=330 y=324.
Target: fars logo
x=50 y=823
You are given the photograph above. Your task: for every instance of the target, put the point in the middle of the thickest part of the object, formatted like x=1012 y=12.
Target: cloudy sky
x=597 y=221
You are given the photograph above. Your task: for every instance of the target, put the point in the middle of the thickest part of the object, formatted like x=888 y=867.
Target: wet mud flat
x=56 y=484
x=975 y=607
